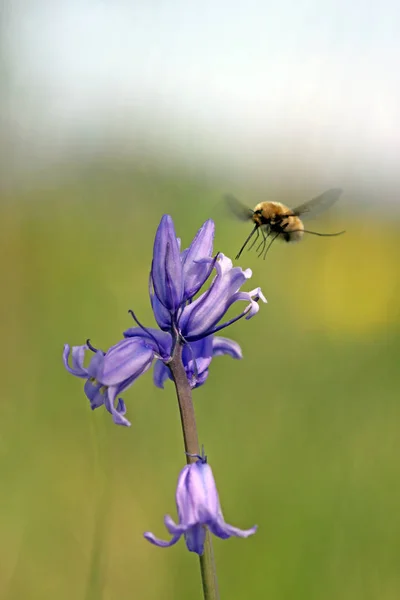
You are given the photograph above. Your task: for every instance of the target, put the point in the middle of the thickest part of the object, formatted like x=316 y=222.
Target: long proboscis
x=247 y=241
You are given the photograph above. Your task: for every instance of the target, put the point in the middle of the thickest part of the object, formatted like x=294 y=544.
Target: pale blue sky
x=303 y=82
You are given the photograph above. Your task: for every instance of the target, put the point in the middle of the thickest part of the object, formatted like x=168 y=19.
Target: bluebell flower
x=198 y=507
x=183 y=313
x=105 y=375
x=202 y=317
x=166 y=269
x=177 y=277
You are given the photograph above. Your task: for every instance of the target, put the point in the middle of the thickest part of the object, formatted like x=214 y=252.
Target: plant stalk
x=191 y=442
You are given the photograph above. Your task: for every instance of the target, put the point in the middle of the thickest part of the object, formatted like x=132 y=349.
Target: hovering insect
x=276 y=220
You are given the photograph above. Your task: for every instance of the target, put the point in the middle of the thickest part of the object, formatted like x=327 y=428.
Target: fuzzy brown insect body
x=280 y=220
x=275 y=220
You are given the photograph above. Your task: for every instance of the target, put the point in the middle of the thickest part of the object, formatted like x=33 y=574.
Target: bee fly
x=275 y=220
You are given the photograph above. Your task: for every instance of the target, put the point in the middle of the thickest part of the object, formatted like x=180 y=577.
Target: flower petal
x=173 y=528
x=198 y=381
x=160 y=374
x=185 y=512
x=128 y=359
x=202 y=315
x=121 y=408
x=160 y=341
x=223 y=345
x=205 y=488
x=251 y=309
x=95 y=392
x=255 y=295
x=195 y=538
x=224 y=531
x=77 y=356
x=117 y=413
x=195 y=268
x=197 y=356
x=161 y=314
x=95 y=367
x=196 y=494
x=166 y=268
x=160 y=543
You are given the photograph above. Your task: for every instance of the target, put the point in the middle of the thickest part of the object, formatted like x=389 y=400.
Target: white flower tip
x=261 y=296
x=248 y=273
x=253 y=530
x=252 y=310
x=225 y=263
x=254 y=307
x=257 y=295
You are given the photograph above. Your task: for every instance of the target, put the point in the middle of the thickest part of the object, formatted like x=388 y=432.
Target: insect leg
x=255 y=239
x=323 y=234
x=263 y=242
x=270 y=244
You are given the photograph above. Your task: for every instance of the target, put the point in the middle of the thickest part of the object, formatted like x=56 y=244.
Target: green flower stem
x=191 y=441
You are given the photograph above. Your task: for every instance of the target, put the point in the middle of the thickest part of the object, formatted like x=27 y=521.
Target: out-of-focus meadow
x=302 y=434
x=113 y=113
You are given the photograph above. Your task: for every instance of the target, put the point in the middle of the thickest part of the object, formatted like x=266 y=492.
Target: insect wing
x=319 y=204
x=240 y=211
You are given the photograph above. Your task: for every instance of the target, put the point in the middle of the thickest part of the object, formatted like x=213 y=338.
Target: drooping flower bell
x=107 y=378
x=198 y=508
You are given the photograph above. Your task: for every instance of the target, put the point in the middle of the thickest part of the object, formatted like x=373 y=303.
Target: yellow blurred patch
x=353 y=284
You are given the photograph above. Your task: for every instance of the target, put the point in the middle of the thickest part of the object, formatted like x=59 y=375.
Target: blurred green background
x=302 y=434
x=113 y=113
